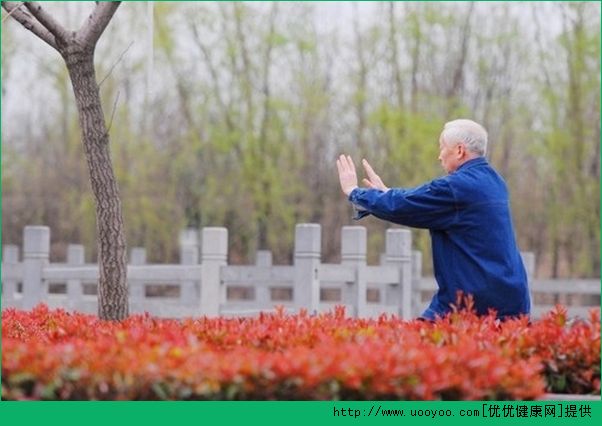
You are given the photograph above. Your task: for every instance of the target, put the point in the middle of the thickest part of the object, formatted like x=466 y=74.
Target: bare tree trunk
x=594 y=225
x=225 y=109
x=394 y=56
x=416 y=31
x=457 y=84
x=113 y=290
x=264 y=217
x=362 y=84
x=246 y=72
x=77 y=49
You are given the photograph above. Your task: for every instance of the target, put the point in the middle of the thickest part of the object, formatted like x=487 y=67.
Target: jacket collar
x=472 y=163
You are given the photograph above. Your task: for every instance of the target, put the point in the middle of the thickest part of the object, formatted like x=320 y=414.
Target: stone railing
x=204 y=284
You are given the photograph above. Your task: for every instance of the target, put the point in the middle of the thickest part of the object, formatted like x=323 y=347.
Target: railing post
x=306 y=292
x=75 y=257
x=10 y=258
x=189 y=255
x=529 y=263
x=353 y=254
x=416 y=281
x=36 y=252
x=137 y=258
x=263 y=259
x=214 y=254
x=189 y=246
x=398 y=245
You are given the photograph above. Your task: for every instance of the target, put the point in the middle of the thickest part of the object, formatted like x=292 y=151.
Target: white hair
x=468 y=132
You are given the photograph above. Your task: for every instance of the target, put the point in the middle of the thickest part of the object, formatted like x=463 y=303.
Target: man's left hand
x=347 y=174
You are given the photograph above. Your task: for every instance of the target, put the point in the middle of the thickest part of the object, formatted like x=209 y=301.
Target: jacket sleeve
x=432 y=205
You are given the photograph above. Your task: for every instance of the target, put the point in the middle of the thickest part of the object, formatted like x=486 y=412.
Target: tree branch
x=56 y=29
x=115 y=64
x=113 y=113
x=98 y=20
x=29 y=22
x=212 y=71
x=10 y=13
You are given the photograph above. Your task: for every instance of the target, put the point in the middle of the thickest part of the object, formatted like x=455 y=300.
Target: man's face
x=449 y=155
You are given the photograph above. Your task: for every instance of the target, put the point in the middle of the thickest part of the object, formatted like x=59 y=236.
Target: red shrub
x=56 y=355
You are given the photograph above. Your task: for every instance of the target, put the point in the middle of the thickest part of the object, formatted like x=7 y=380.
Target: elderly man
x=468 y=215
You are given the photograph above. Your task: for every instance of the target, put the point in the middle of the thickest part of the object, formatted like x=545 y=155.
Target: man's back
x=476 y=252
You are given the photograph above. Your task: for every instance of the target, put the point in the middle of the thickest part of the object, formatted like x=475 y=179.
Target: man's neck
x=468 y=159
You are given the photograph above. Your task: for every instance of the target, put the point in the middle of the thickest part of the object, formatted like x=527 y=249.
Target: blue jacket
x=474 y=250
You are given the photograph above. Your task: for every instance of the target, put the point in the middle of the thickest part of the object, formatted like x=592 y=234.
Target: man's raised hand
x=347 y=174
x=373 y=181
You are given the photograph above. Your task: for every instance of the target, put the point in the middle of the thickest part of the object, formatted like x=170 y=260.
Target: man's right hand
x=373 y=181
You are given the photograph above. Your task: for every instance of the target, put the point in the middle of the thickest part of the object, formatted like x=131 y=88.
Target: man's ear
x=461 y=150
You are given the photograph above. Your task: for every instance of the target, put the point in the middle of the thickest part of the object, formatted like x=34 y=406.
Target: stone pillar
x=416 y=278
x=214 y=254
x=138 y=256
x=353 y=254
x=306 y=292
x=189 y=255
x=137 y=293
x=263 y=259
x=36 y=253
x=529 y=262
x=75 y=292
x=10 y=258
x=398 y=249
x=189 y=246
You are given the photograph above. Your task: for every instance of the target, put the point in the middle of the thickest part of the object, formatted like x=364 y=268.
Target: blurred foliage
x=239 y=117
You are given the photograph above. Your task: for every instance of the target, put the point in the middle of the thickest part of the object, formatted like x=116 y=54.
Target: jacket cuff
x=358 y=211
x=359 y=214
